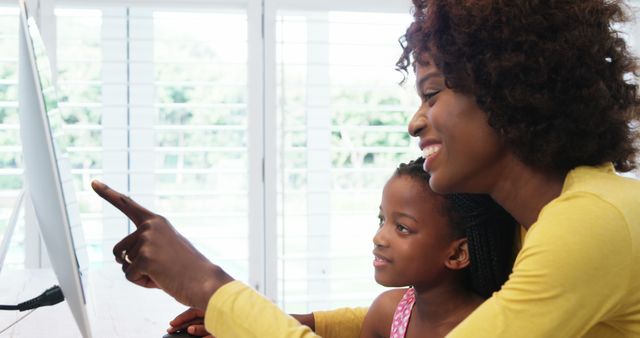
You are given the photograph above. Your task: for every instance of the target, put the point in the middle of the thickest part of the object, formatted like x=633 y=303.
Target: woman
x=532 y=102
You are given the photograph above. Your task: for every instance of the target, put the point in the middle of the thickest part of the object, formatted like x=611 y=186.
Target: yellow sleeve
x=340 y=323
x=236 y=310
x=572 y=272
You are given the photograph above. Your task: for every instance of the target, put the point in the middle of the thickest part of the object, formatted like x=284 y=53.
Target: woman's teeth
x=430 y=150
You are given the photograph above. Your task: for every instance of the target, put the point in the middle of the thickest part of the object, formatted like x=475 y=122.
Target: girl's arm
x=306 y=319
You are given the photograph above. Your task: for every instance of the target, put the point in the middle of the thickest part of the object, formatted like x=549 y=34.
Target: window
x=341 y=130
x=155 y=104
x=11 y=182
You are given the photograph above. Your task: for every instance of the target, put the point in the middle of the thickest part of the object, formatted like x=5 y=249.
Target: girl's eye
x=430 y=95
x=380 y=221
x=403 y=229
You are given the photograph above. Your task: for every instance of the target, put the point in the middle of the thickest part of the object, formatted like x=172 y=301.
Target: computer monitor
x=47 y=170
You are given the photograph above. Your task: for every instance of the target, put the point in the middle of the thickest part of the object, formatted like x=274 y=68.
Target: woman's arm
x=236 y=310
x=157 y=256
x=338 y=323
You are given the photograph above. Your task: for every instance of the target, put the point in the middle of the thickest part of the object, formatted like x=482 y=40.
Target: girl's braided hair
x=489 y=229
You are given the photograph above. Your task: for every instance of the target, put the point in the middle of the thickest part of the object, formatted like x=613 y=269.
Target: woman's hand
x=155 y=255
x=191 y=320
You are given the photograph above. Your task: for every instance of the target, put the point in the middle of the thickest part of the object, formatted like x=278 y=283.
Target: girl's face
x=414 y=238
x=462 y=152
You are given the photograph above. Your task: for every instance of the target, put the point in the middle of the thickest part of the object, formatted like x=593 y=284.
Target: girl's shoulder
x=385 y=304
x=393 y=296
x=380 y=315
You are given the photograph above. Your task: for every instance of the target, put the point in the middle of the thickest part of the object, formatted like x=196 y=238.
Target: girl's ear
x=459 y=255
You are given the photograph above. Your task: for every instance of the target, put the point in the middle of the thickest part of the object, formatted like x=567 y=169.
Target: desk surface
x=116 y=307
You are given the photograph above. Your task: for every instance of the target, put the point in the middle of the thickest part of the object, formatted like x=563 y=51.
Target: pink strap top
x=402 y=314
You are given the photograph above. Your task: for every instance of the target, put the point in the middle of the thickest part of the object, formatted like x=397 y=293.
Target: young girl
x=434 y=244
x=453 y=251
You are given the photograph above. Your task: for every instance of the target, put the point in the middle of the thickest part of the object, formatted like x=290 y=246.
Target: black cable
x=51 y=296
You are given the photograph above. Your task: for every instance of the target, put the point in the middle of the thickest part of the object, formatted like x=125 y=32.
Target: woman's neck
x=439 y=310
x=523 y=191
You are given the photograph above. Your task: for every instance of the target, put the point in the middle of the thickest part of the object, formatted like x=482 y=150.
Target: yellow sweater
x=577 y=275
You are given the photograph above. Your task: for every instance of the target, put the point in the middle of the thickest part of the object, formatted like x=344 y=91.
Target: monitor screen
x=47 y=170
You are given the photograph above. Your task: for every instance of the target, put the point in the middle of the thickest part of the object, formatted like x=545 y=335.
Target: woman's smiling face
x=462 y=152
